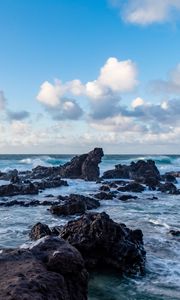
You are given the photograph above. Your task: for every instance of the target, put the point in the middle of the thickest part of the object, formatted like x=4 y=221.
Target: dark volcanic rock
x=71 y=207
x=104 y=243
x=18 y=189
x=104 y=188
x=132 y=187
x=104 y=196
x=140 y=171
x=126 y=197
x=52 y=270
x=169 y=178
x=38 y=231
x=169 y=188
x=41 y=172
x=84 y=166
x=51 y=182
x=74 y=204
x=175 y=232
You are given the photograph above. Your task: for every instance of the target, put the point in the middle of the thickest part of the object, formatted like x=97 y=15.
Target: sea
x=155 y=217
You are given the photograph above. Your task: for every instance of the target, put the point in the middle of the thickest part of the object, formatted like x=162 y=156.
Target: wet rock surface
x=53 y=269
x=139 y=171
x=84 y=166
x=105 y=243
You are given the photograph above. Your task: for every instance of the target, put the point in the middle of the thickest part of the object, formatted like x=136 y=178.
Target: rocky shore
x=57 y=264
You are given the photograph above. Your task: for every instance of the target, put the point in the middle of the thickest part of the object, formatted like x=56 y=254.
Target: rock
x=139 y=171
x=175 y=232
x=70 y=207
x=104 y=196
x=51 y=182
x=38 y=231
x=126 y=197
x=104 y=188
x=74 y=204
x=52 y=270
x=84 y=166
x=90 y=203
x=105 y=243
x=41 y=172
x=18 y=189
x=169 y=188
x=132 y=187
x=169 y=178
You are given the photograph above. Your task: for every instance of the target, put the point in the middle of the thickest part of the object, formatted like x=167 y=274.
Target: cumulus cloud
x=52 y=97
x=145 y=12
x=169 y=86
x=114 y=78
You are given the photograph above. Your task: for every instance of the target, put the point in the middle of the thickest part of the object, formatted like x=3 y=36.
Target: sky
x=75 y=75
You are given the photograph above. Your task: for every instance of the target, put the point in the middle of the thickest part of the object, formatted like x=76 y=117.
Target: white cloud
x=137 y=102
x=145 y=12
x=115 y=77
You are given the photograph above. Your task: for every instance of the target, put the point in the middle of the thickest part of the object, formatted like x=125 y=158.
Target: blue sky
x=79 y=74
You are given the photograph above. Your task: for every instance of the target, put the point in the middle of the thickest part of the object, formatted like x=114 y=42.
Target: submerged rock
x=105 y=243
x=53 y=269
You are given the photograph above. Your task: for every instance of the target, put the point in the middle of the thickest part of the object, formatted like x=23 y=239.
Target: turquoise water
x=154 y=217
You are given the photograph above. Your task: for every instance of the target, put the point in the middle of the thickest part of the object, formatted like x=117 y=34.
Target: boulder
x=105 y=243
x=38 y=231
x=52 y=270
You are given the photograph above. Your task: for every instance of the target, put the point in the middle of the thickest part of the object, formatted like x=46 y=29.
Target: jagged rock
x=71 y=207
x=41 y=172
x=140 y=171
x=18 y=189
x=74 y=204
x=51 y=182
x=90 y=203
x=132 y=187
x=105 y=243
x=84 y=166
x=104 y=188
x=104 y=196
x=52 y=270
x=39 y=230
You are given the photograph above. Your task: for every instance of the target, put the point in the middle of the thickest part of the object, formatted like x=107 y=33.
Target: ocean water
x=154 y=217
